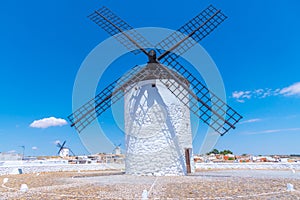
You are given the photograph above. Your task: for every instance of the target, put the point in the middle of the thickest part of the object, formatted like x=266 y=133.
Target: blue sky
x=43 y=44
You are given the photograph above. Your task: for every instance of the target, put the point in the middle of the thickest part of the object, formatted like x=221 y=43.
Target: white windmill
x=158 y=98
x=117 y=150
x=63 y=150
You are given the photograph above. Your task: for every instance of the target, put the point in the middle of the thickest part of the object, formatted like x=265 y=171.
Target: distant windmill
x=117 y=149
x=159 y=97
x=63 y=150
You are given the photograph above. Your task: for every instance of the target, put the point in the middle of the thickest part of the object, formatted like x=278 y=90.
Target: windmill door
x=188 y=153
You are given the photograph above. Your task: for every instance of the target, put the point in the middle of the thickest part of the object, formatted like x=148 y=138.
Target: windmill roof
x=153 y=71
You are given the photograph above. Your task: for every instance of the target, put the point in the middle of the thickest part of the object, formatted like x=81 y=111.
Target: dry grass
x=105 y=185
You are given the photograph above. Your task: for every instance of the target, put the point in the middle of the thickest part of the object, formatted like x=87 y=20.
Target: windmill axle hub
x=152 y=56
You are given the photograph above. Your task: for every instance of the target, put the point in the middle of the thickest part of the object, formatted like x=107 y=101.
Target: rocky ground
x=209 y=184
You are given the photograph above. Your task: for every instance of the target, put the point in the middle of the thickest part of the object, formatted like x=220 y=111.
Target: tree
x=214 y=151
x=225 y=152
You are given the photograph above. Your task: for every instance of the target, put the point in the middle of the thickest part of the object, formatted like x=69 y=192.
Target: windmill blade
x=212 y=109
x=87 y=113
x=61 y=147
x=197 y=28
x=71 y=152
x=113 y=25
x=58 y=145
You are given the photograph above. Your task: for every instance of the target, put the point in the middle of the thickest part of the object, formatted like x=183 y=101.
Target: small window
x=153 y=85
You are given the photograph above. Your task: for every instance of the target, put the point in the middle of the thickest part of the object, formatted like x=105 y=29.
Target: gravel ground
x=221 y=184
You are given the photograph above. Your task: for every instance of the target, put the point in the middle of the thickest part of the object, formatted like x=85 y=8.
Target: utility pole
x=23 y=147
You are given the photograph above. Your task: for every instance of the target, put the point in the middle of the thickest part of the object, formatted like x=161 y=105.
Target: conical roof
x=156 y=71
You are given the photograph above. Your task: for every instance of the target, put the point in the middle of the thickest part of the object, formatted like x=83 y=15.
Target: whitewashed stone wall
x=158 y=130
x=35 y=168
x=251 y=166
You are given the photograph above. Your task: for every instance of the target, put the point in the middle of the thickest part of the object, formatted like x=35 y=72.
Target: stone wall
x=275 y=166
x=29 y=168
x=158 y=129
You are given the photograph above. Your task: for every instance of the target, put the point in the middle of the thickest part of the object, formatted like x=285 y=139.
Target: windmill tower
x=63 y=150
x=117 y=150
x=157 y=123
x=159 y=97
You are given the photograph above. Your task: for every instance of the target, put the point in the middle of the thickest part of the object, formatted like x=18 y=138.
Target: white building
x=10 y=156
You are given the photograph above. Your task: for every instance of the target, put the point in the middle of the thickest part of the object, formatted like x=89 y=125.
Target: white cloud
x=251 y=121
x=277 y=92
x=267 y=93
x=259 y=91
x=240 y=100
x=272 y=131
x=34 y=148
x=48 y=122
x=291 y=90
x=237 y=94
x=242 y=96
